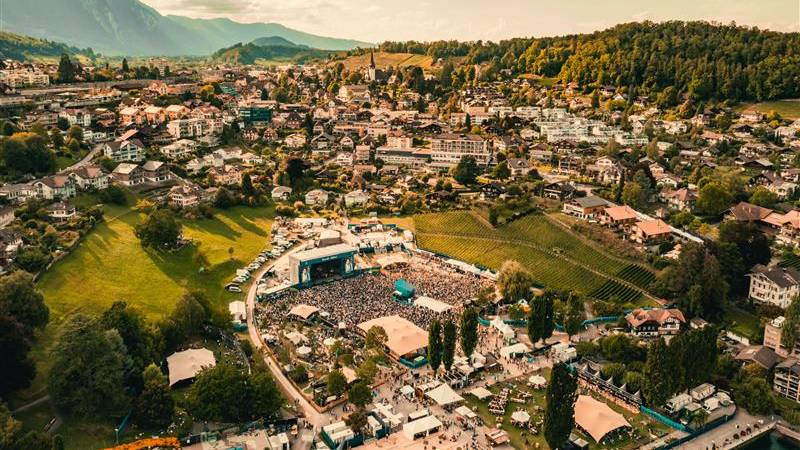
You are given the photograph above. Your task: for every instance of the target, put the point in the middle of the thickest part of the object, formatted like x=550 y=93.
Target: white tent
x=481 y=393
x=537 y=381
x=514 y=350
x=444 y=395
x=407 y=390
x=432 y=304
x=504 y=328
x=520 y=417
x=187 y=364
x=463 y=411
x=304 y=351
x=421 y=427
x=238 y=310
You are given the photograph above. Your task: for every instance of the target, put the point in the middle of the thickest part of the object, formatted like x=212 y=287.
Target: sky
x=425 y=20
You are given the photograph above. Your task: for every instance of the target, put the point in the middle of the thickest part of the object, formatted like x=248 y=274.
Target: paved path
x=311 y=415
x=30 y=405
x=84 y=161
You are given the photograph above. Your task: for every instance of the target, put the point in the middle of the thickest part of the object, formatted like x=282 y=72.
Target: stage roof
x=432 y=304
x=187 y=364
x=323 y=252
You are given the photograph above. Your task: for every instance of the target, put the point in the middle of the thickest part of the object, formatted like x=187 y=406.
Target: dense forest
x=249 y=53
x=705 y=61
x=22 y=48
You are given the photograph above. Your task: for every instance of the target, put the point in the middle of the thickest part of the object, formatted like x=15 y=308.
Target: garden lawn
x=789 y=109
x=110 y=265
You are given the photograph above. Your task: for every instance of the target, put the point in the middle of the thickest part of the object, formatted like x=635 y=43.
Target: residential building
x=90 y=177
x=774 y=285
x=356 y=198
x=61 y=211
x=786 y=380
x=228 y=174
x=655 y=322
x=155 y=172
x=281 y=193
x=448 y=149
x=184 y=195
x=651 y=231
x=127 y=150
x=316 y=197
x=773 y=331
x=128 y=174
x=55 y=187
x=585 y=207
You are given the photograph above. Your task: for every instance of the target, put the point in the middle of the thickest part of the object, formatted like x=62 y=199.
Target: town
x=404 y=245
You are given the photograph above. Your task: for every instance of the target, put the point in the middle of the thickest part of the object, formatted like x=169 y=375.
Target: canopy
x=537 y=380
x=407 y=390
x=187 y=364
x=303 y=311
x=304 y=351
x=405 y=288
x=514 y=350
x=422 y=426
x=403 y=337
x=444 y=395
x=432 y=304
x=520 y=417
x=465 y=412
x=481 y=393
x=597 y=418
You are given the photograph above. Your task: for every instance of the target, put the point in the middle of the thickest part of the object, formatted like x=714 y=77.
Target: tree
x=159 y=230
x=595 y=99
x=376 y=338
x=336 y=382
x=32 y=259
x=20 y=299
x=18 y=368
x=155 y=405
x=357 y=421
x=247 y=185
x=448 y=344
x=657 y=386
x=762 y=196
x=90 y=363
x=559 y=415
x=125 y=67
x=222 y=393
x=224 y=198
x=186 y=319
x=75 y=133
x=469 y=331
x=713 y=199
x=791 y=325
x=27 y=153
x=56 y=138
x=266 y=399
x=501 y=171
x=360 y=394
x=435 y=345
x=514 y=282
x=755 y=395
x=367 y=370
x=466 y=171
x=634 y=196
x=131 y=327
x=66 y=71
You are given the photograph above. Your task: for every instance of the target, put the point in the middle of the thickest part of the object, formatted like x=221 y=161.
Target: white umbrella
x=304 y=351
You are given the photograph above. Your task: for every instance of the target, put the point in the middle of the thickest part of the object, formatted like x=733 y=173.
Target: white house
x=774 y=285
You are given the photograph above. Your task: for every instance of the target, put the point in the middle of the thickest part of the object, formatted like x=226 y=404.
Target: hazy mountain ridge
x=129 y=27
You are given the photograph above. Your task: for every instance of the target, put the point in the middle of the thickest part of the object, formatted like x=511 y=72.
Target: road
x=84 y=161
x=311 y=415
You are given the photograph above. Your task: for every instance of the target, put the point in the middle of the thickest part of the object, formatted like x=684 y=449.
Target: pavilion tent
x=464 y=411
x=481 y=392
x=187 y=364
x=514 y=350
x=444 y=395
x=432 y=304
x=597 y=418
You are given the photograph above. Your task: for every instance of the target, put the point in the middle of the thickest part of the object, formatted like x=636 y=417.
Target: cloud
x=379 y=20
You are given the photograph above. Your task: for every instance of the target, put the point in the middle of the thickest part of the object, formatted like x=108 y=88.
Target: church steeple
x=371 y=60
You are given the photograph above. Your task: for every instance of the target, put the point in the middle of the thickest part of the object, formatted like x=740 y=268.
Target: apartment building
x=774 y=285
x=448 y=149
x=786 y=381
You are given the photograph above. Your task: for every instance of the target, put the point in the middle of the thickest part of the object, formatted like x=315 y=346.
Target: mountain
x=22 y=48
x=129 y=27
x=249 y=53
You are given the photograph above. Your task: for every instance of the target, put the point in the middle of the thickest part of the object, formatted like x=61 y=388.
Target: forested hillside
x=14 y=46
x=703 y=60
x=249 y=53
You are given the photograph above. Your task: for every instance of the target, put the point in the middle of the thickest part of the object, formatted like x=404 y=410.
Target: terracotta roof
x=654 y=227
x=637 y=317
x=623 y=212
x=747 y=212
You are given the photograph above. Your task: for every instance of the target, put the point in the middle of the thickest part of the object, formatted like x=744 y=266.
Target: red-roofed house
x=651 y=231
x=655 y=322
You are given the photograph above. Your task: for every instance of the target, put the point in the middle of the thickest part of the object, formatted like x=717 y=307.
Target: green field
x=555 y=257
x=111 y=265
x=789 y=109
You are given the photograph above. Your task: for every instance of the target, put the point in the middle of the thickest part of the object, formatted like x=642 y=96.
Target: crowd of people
x=439 y=282
x=369 y=296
